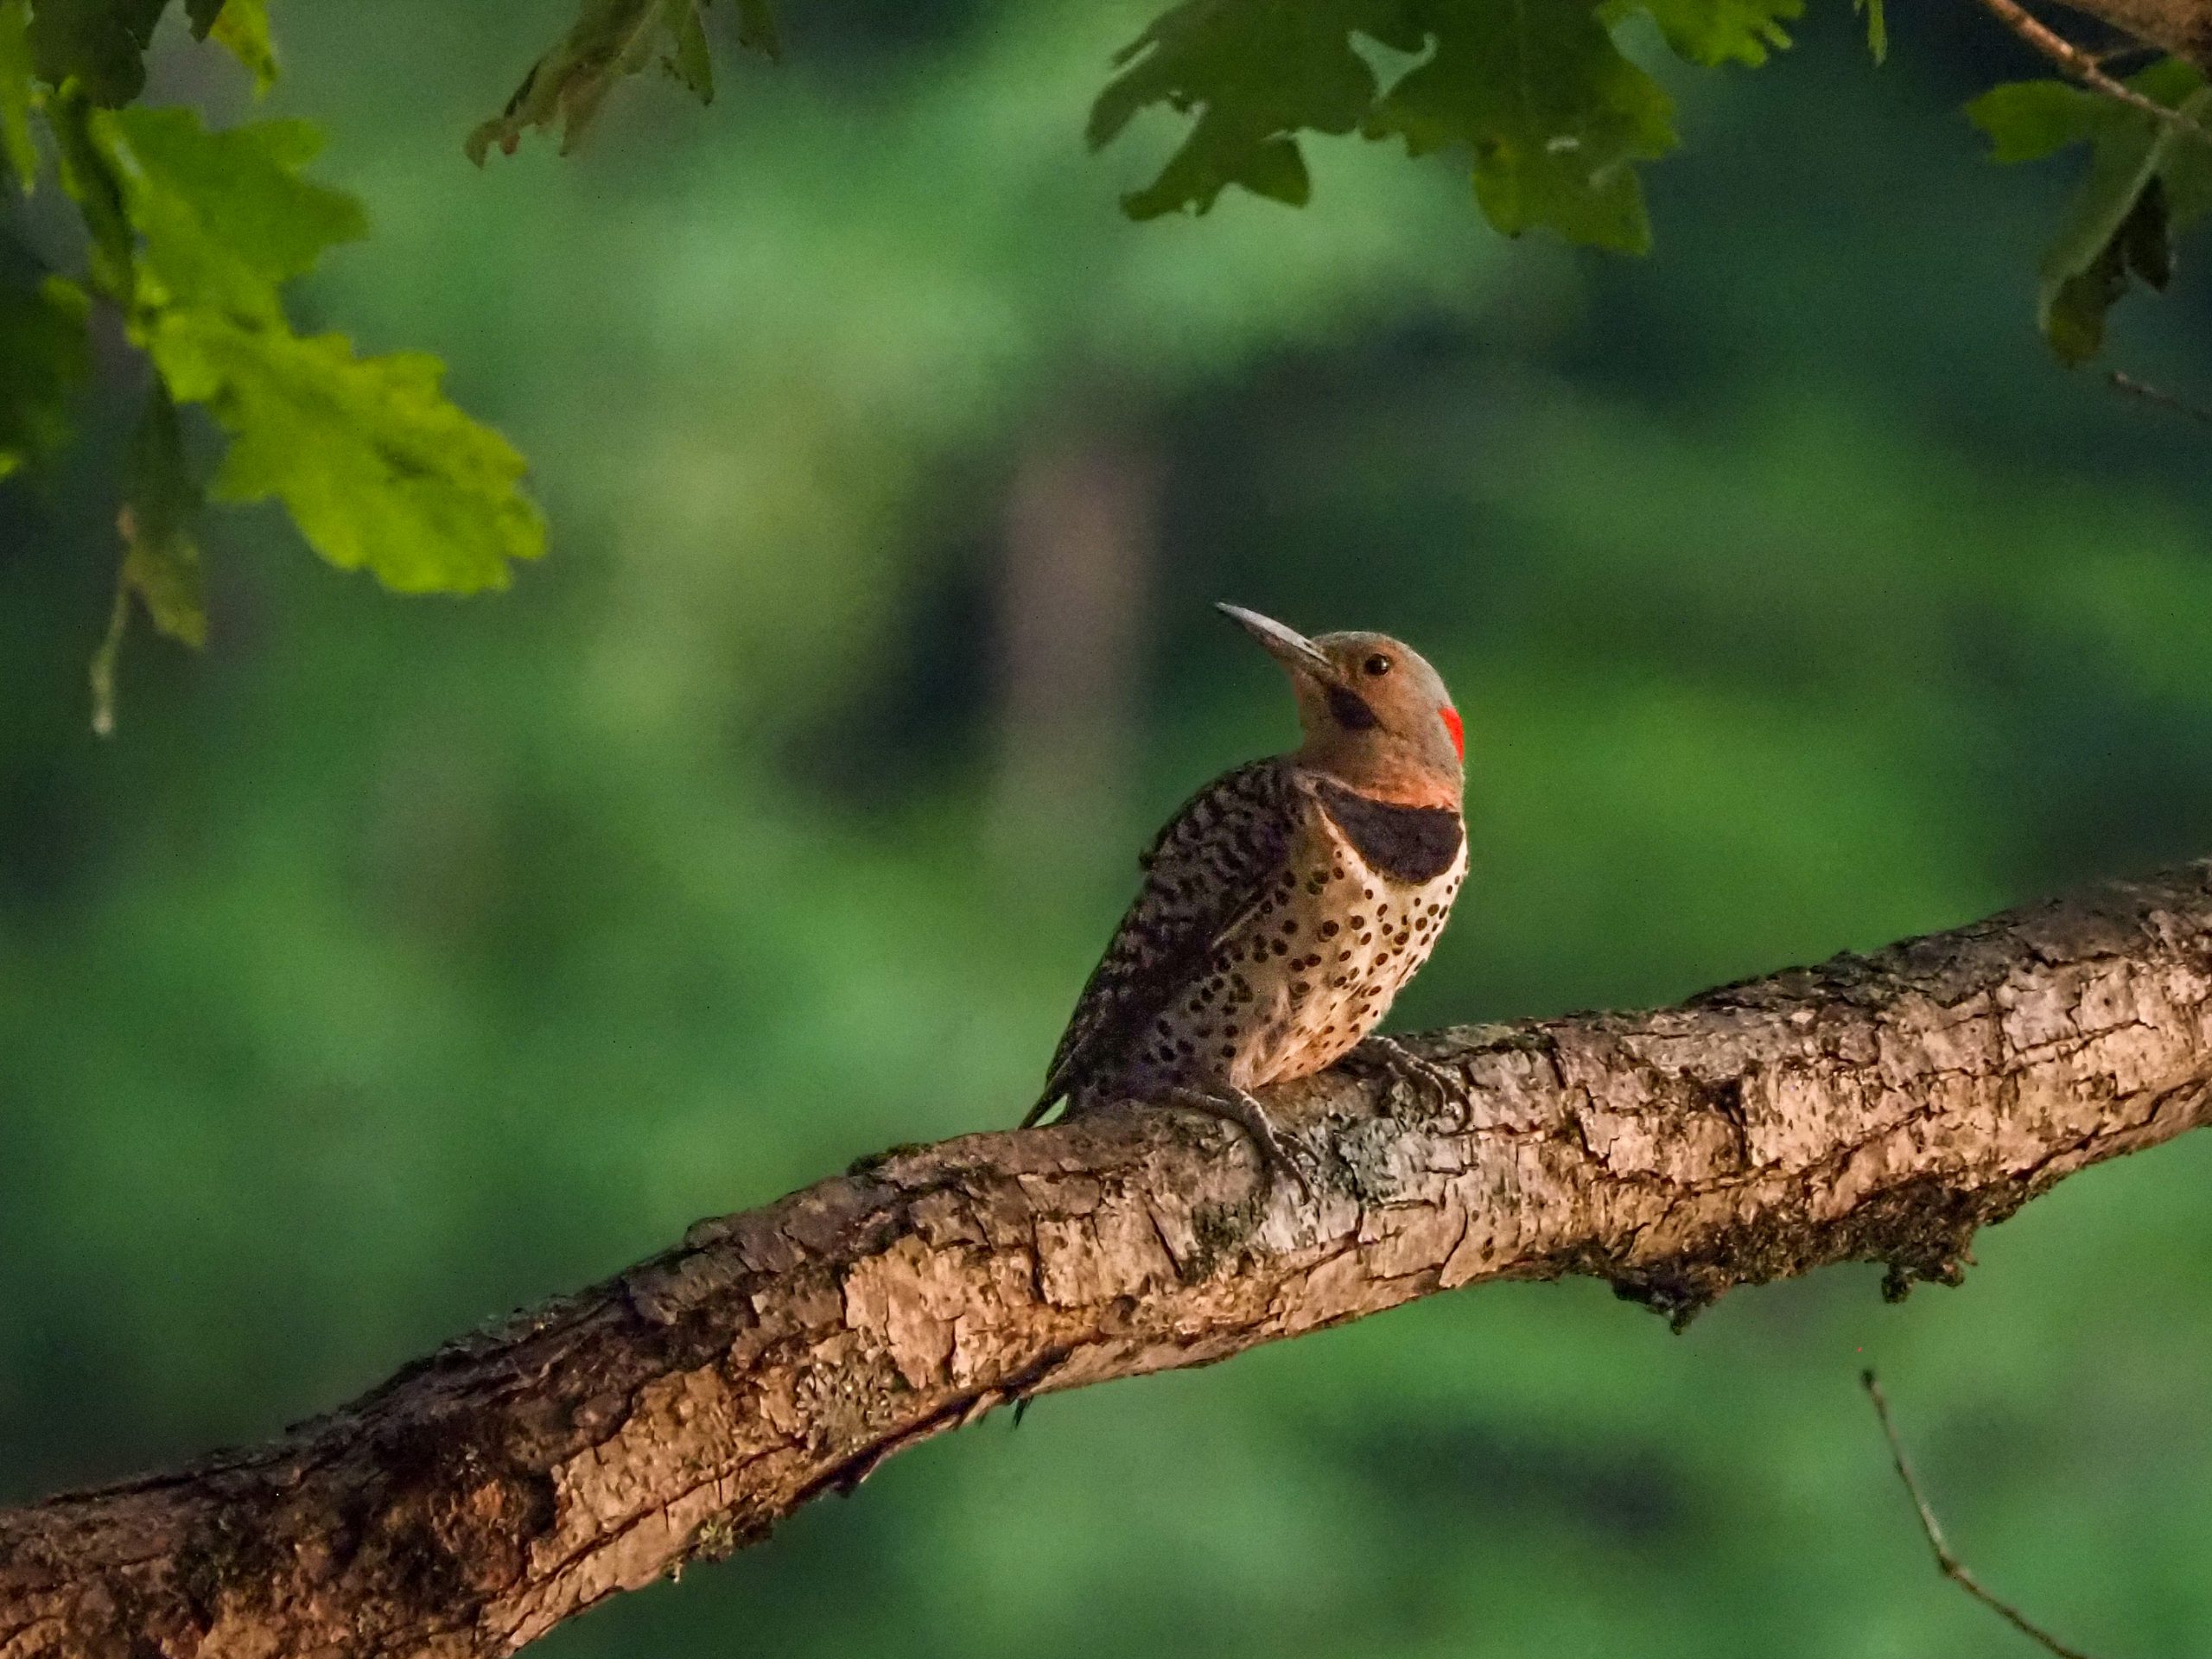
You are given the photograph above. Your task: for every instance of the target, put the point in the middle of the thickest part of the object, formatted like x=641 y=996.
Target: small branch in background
x=2150 y=394
x=1949 y=1565
x=2083 y=65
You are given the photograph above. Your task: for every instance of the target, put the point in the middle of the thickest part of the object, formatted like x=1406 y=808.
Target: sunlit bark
x=1874 y=1109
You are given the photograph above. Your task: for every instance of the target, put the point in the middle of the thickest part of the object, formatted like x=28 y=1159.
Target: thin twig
x=2083 y=65
x=1949 y=1565
x=2150 y=394
x=2112 y=55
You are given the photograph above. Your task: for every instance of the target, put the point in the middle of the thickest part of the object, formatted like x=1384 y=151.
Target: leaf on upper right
x=1256 y=73
x=2149 y=179
x=1710 y=33
x=1552 y=117
x=610 y=39
x=241 y=27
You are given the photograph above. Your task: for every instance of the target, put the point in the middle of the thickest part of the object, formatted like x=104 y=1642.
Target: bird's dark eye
x=1377 y=665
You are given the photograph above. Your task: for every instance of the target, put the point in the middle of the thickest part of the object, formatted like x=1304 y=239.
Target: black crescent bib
x=1409 y=844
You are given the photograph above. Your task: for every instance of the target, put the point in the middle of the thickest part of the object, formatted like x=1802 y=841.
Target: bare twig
x=2083 y=65
x=1949 y=1565
x=2150 y=394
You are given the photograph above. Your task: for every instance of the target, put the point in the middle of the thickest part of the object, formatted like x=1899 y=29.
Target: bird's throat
x=1408 y=844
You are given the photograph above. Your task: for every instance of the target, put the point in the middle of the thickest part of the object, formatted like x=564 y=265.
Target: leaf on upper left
x=100 y=44
x=161 y=568
x=17 y=91
x=376 y=468
x=44 y=357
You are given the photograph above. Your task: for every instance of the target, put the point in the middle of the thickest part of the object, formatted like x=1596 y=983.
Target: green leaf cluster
x=241 y=27
x=610 y=39
x=98 y=44
x=1714 y=32
x=43 y=358
x=192 y=236
x=2148 y=181
x=101 y=44
x=15 y=87
x=1554 y=117
x=378 y=469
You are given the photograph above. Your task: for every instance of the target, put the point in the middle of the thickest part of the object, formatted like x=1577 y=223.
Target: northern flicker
x=1287 y=902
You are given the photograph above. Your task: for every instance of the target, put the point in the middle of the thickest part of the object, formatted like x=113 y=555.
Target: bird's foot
x=1235 y=1106
x=1394 y=1059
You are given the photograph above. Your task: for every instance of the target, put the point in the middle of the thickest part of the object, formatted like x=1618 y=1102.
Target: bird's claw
x=1394 y=1059
x=1235 y=1106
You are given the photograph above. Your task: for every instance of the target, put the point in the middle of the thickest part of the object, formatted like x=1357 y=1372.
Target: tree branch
x=2120 y=381
x=2083 y=65
x=1873 y=1108
x=2181 y=26
x=1947 y=1563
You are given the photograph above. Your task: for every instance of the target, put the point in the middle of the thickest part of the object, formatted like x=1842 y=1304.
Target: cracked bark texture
x=1872 y=1108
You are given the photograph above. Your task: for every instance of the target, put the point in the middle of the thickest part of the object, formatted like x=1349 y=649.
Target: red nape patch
x=1458 y=732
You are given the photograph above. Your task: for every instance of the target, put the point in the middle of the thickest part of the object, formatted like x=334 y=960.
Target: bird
x=1286 y=904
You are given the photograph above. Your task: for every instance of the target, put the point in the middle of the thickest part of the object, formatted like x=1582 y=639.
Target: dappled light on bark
x=1874 y=1109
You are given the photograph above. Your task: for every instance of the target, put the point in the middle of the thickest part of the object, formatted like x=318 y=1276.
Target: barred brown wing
x=1211 y=863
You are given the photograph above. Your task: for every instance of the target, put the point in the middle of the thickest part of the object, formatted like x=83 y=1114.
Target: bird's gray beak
x=1287 y=646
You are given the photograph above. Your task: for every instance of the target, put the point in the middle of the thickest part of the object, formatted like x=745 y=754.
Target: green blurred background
x=401 y=962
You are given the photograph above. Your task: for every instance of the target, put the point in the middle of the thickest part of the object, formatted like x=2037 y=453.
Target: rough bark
x=1873 y=1108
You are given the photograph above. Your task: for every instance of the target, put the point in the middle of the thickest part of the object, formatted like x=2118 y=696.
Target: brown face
x=1372 y=707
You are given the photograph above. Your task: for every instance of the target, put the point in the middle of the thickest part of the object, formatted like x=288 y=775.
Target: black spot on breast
x=1411 y=844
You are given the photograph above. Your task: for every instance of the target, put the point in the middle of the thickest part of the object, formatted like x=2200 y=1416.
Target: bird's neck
x=1389 y=772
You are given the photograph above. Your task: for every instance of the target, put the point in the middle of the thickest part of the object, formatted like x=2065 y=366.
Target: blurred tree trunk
x=1074 y=581
x=1873 y=1108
